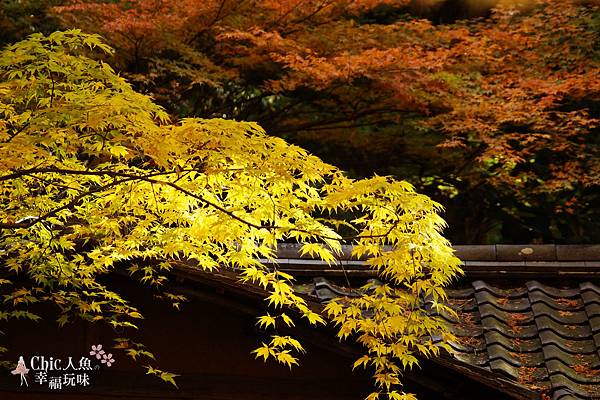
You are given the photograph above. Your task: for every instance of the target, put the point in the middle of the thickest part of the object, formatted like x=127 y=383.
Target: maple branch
x=12 y=136
x=307 y=17
x=334 y=123
x=282 y=16
x=26 y=172
x=114 y=174
x=218 y=17
x=149 y=178
x=218 y=14
x=35 y=220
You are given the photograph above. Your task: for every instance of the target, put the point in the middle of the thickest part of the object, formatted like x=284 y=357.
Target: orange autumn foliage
x=510 y=97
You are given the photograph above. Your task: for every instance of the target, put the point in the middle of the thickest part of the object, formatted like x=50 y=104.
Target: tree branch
x=149 y=178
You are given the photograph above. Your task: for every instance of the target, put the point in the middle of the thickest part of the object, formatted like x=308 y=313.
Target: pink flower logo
x=107 y=359
x=97 y=351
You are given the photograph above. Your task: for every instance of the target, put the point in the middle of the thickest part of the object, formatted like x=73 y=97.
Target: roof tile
x=578 y=252
x=509 y=252
x=567 y=331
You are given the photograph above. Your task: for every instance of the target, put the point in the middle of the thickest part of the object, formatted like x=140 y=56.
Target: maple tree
x=95 y=178
x=495 y=117
x=20 y=18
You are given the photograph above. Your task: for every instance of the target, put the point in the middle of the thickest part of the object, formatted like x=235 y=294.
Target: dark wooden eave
x=225 y=288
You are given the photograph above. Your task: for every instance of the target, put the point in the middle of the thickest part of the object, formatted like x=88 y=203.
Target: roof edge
x=492 y=252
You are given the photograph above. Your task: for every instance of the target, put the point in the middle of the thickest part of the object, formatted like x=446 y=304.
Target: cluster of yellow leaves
x=164 y=375
x=94 y=177
x=279 y=348
x=398 y=321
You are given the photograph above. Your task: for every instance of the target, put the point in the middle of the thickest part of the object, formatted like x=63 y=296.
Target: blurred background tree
x=20 y=18
x=490 y=107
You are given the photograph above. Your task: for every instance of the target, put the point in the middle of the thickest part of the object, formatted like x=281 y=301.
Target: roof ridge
x=492 y=252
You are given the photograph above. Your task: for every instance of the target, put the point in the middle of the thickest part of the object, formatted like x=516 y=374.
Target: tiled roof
x=544 y=338
x=538 y=337
x=522 y=337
